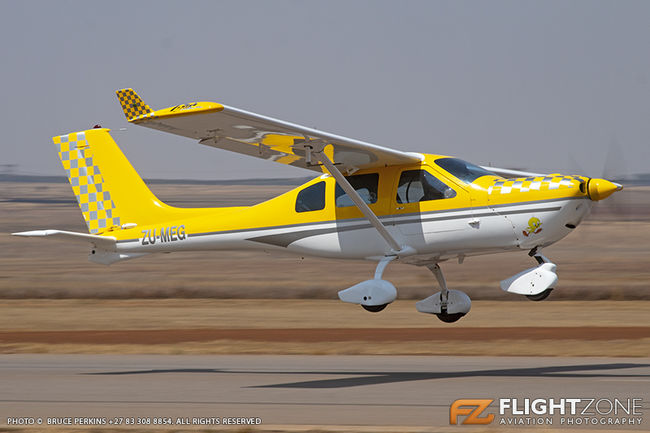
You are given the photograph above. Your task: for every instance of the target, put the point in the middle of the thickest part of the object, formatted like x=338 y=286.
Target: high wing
x=264 y=137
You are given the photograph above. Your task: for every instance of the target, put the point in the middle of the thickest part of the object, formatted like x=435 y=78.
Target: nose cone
x=600 y=189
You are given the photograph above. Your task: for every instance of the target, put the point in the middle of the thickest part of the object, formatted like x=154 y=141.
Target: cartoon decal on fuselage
x=534 y=227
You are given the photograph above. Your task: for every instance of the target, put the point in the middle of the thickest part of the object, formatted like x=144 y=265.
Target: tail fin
x=133 y=106
x=110 y=193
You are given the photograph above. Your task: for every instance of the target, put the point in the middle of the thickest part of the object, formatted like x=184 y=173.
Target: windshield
x=463 y=170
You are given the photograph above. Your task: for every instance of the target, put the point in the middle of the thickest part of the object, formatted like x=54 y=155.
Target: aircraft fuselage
x=425 y=207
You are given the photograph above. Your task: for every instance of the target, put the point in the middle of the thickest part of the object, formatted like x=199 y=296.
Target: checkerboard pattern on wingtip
x=87 y=182
x=133 y=106
x=534 y=184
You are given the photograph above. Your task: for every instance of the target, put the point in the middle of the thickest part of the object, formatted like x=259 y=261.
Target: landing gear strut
x=444 y=315
x=448 y=305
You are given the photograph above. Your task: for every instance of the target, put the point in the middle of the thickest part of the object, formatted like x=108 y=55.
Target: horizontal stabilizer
x=99 y=241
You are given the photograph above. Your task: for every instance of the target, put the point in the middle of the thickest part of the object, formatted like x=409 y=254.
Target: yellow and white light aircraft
x=368 y=202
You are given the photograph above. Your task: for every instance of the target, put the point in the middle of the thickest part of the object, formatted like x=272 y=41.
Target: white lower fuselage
x=430 y=236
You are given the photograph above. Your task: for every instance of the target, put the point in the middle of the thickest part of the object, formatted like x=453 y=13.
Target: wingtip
x=133 y=106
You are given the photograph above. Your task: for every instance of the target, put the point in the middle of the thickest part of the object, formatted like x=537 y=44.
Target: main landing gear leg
x=442 y=283
x=448 y=305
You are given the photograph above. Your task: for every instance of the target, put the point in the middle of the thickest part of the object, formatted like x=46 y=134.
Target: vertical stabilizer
x=110 y=192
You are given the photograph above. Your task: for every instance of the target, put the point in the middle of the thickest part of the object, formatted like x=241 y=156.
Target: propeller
x=614 y=169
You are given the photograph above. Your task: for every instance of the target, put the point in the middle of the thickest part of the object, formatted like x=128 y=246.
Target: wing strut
x=362 y=206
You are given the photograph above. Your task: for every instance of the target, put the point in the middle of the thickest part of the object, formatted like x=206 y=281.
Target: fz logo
x=472 y=409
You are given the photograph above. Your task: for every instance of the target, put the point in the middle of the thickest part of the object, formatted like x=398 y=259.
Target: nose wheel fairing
x=533 y=281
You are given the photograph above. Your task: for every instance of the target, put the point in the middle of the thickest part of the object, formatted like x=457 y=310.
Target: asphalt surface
x=300 y=390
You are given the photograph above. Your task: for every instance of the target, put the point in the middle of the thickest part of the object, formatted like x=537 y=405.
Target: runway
x=301 y=390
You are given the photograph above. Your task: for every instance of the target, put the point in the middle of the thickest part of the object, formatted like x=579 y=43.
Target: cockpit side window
x=420 y=185
x=311 y=198
x=463 y=170
x=366 y=185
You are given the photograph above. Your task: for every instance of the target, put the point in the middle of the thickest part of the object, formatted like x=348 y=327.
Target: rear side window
x=311 y=198
x=364 y=184
x=420 y=185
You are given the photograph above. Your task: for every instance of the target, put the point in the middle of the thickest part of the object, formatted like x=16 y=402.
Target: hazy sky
x=532 y=84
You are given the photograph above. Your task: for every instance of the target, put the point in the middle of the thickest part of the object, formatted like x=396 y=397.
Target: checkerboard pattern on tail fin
x=133 y=106
x=87 y=182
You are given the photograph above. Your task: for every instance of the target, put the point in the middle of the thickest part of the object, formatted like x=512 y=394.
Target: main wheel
x=450 y=317
x=540 y=296
x=374 y=308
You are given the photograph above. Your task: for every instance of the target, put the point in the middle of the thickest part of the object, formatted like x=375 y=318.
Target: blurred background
x=549 y=86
